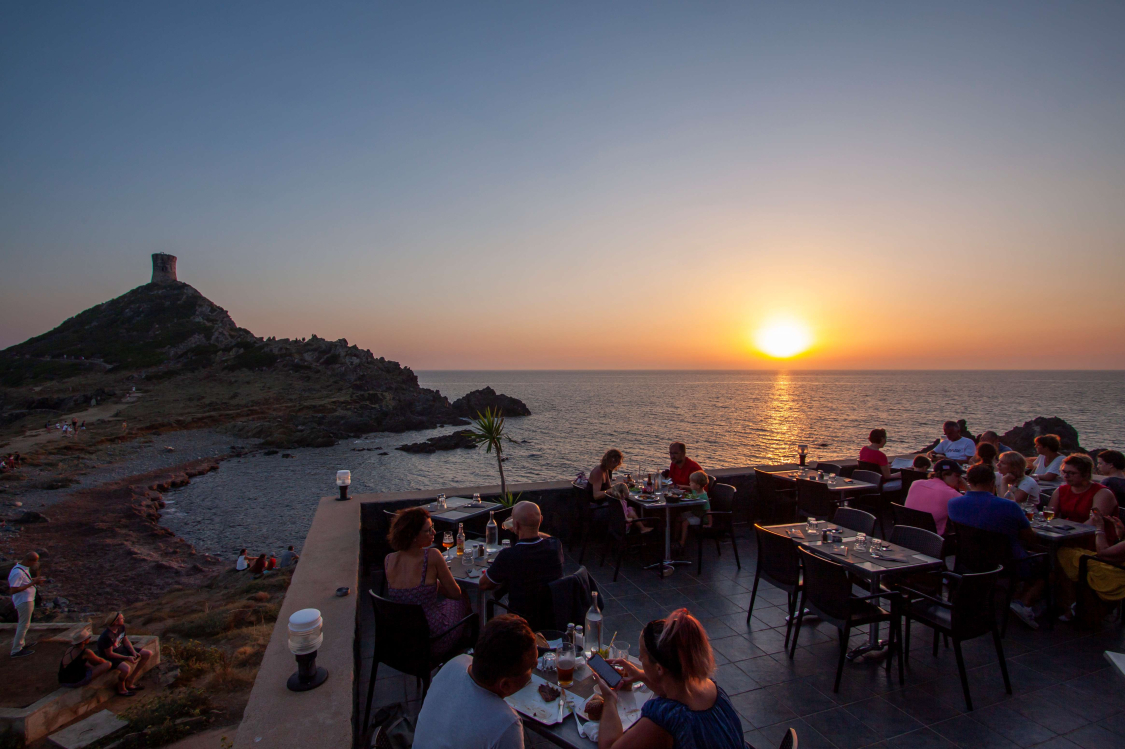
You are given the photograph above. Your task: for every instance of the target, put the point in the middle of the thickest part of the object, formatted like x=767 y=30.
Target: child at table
x=698 y=482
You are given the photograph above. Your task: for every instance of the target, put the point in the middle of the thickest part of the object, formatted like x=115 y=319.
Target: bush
x=194 y=658
x=154 y=721
x=221 y=621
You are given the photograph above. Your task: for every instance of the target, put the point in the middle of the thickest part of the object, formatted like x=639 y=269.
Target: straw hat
x=79 y=636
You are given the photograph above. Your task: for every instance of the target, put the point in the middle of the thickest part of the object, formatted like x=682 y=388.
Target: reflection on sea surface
x=726 y=419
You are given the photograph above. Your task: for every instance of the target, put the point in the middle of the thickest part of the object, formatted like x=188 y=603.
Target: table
x=460 y=567
x=460 y=510
x=667 y=565
x=565 y=734
x=862 y=564
x=1054 y=534
x=839 y=485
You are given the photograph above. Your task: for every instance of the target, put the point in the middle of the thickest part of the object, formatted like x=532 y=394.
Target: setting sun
x=783 y=339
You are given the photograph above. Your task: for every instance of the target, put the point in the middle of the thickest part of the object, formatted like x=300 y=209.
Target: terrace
x=1065 y=692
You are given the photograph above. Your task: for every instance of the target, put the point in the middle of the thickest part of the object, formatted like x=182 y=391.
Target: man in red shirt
x=682 y=466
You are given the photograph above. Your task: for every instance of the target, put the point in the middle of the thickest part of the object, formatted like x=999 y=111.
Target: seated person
x=289 y=558
x=689 y=709
x=1075 y=498
x=601 y=478
x=1111 y=464
x=934 y=494
x=955 y=446
x=241 y=564
x=464 y=707
x=620 y=492
x=526 y=568
x=1013 y=481
x=114 y=646
x=258 y=566
x=682 y=467
x=922 y=463
x=417 y=574
x=80 y=665
x=1045 y=468
x=985 y=455
x=874 y=454
x=1106 y=581
x=980 y=508
x=993 y=439
x=698 y=482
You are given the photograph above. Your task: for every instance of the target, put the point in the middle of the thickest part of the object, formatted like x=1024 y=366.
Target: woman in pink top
x=933 y=494
x=874 y=454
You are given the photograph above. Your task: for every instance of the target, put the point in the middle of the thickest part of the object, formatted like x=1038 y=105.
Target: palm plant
x=488 y=430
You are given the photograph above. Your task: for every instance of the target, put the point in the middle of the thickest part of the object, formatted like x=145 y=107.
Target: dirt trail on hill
x=105 y=548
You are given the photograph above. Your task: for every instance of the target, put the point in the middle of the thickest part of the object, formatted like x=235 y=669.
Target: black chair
x=815 y=500
x=555 y=612
x=909 y=476
x=903 y=515
x=404 y=642
x=856 y=520
x=623 y=534
x=874 y=501
x=780 y=565
x=591 y=515
x=979 y=551
x=722 y=522
x=828 y=467
x=1085 y=590
x=828 y=593
x=865 y=465
x=777 y=499
x=918 y=539
x=789 y=740
x=965 y=615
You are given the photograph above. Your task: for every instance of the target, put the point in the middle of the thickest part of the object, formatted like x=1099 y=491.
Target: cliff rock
x=461 y=439
x=1022 y=438
x=471 y=404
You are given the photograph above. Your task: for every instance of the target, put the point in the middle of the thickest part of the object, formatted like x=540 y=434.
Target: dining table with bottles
x=1054 y=533
x=470 y=558
x=658 y=494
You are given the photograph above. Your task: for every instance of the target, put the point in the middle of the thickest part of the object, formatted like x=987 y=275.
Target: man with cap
x=21 y=584
x=933 y=494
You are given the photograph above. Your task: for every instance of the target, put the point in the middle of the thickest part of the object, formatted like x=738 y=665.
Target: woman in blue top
x=689 y=711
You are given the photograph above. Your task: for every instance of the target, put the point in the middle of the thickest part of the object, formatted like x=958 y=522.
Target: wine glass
x=447 y=540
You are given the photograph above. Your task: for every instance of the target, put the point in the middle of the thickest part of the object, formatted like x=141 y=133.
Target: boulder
x=1022 y=438
x=30 y=516
x=471 y=404
x=461 y=439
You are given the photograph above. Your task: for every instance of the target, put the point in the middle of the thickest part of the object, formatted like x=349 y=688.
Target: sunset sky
x=568 y=185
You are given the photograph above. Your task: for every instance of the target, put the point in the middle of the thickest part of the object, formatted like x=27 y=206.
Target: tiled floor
x=1064 y=692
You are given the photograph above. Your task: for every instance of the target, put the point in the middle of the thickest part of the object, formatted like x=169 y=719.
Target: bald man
x=21 y=584
x=528 y=567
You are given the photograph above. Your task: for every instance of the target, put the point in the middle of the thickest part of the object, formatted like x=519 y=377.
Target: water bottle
x=593 y=632
x=460 y=539
x=491 y=532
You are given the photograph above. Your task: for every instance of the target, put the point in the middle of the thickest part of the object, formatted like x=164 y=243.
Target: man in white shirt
x=954 y=446
x=21 y=583
x=465 y=707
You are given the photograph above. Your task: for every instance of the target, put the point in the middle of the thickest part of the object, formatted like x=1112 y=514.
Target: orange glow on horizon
x=783 y=338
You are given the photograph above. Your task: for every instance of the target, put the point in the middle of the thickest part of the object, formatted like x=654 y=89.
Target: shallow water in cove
x=726 y=419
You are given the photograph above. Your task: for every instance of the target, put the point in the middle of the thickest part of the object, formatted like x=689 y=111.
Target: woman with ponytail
x=689 y=711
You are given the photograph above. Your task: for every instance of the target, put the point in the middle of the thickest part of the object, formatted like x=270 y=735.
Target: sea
x=726 y=418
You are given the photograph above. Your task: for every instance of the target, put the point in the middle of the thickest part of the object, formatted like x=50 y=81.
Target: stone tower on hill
x=163 y=268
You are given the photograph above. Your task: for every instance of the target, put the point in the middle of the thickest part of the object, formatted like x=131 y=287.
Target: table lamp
x=305 y=638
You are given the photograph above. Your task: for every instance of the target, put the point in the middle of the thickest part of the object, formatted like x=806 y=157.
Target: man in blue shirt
x=980 y=508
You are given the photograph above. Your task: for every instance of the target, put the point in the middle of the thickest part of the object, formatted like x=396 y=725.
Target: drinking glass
x=505 y=544
x=564 y=663
x=1049 y=514
x=619 y=650
x=447 y=540
x=860 y=541
x=810 y=526
x=441 y=502
x=1029 y=511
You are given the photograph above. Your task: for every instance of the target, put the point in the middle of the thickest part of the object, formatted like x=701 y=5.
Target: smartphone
x=608 y=673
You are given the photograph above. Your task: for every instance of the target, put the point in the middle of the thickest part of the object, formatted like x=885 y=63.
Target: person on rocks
x=258 y=567
x=22 y=580
x=240 y=564
x=289 y=558
x=80 y=665
x=114 y=646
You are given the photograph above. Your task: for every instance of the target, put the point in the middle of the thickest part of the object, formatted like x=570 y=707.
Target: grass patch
x=194 y=658
x=226 y=619
x=162 y=719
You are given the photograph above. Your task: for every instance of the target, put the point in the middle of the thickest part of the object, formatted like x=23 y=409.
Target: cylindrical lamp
x=305 y=638
x=343 y=480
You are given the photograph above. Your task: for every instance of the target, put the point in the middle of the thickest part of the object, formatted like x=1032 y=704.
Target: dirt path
x=105 y=548
x=33 y=437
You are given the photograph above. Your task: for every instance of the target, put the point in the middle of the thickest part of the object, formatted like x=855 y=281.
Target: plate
x=629 y=705
x=528 y=702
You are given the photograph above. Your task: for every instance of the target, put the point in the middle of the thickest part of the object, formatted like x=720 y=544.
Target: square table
x=841 y=485
x=658 y=502
x=460 y=510
x=862 y=564
x=1054 y=534
x=460 y=566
